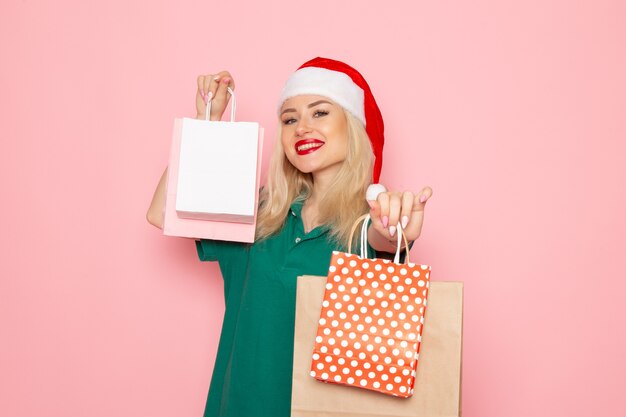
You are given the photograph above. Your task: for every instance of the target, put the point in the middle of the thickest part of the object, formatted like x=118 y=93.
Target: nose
x=302 y=128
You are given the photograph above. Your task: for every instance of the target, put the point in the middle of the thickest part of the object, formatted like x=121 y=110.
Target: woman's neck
x=311 y=207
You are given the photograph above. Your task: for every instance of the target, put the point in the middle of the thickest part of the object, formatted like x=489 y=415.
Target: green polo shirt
x=253 y=368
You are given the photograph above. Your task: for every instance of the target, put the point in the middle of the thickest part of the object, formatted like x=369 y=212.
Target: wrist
x=212 y=118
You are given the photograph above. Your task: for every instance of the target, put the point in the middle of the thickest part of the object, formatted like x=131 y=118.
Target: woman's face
x=314 y=134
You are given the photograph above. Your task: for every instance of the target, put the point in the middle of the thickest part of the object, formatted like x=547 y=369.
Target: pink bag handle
x=401 y=237
x=233 y=106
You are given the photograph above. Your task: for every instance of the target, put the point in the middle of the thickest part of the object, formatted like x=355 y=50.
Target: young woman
x=329 y=151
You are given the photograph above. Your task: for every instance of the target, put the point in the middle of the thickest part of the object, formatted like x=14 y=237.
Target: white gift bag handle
x=233 y=106
x=401 y=237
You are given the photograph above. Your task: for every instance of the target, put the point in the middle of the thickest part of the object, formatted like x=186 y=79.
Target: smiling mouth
x=306 y=146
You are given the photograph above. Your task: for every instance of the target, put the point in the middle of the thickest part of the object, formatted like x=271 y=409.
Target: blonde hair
x=340 y=206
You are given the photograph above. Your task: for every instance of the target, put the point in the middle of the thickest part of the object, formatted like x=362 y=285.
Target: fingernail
x=392 y=230
x=422 y=198
x=216 y=78
x=226 y=80
x=385 y=221
x=209 y=96
x=205 y=100
x=405 y=221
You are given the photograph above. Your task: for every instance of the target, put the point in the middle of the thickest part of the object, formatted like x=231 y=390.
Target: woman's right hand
x=213 y=87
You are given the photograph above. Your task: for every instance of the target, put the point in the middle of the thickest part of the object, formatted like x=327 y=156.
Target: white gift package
x=213 y=179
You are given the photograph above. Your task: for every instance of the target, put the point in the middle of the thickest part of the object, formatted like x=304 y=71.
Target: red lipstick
x=306 y=146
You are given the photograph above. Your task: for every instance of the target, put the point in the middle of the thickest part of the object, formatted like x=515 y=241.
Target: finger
x=407 y=207
x=232 y=80
x=201 y=100
x=210 y=86
x=201 y=92
x=395 y=206
x=414 y=228
x=221 y=93
x=375 y=213
x=223 y=81
x=416 y=220
x=421 y=198
x=383 y=201
x=377 y=223
x=200 y=82
x=225 y=74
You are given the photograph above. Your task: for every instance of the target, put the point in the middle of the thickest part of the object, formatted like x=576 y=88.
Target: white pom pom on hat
x=373 y=190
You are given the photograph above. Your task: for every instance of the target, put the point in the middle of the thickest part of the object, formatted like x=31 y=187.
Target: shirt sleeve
x=231 y=257
x=207 y=250
x=217 y=250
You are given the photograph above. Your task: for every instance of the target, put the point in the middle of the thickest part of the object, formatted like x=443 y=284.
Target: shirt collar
x=296 y=208
x=295 y=211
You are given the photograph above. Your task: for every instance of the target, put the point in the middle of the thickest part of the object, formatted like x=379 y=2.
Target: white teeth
x=309 y=146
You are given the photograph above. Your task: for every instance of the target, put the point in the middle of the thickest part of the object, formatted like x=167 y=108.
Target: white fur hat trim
x=335 y=85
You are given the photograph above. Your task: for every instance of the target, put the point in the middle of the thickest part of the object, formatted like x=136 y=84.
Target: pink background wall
x=514 y=112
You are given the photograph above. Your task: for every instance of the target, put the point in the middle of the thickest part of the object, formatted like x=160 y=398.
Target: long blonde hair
x=340 y=206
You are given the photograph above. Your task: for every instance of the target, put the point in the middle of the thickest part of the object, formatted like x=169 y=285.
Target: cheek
x=339 y=128
x=284 y=140
x=341 y=133
x=287 y=146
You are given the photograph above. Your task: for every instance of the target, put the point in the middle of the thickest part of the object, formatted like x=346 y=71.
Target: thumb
x=374 y=211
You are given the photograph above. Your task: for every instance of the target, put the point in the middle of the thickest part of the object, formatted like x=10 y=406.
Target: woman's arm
x=156 y=211
x=214 y=88
x=391 y=208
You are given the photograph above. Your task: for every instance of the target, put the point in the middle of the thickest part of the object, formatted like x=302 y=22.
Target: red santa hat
x=345 y=86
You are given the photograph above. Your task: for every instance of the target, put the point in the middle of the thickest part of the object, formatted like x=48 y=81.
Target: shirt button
x=293 y=213
x=298 y=240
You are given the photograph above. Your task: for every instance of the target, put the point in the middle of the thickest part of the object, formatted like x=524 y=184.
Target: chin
x=304 y=170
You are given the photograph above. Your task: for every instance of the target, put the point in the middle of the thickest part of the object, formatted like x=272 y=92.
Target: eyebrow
x=315 y=103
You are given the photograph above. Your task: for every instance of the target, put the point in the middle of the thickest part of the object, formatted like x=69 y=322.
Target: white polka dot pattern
x=371 y=337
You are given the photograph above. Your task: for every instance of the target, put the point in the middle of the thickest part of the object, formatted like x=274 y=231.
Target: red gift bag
x=371 y=320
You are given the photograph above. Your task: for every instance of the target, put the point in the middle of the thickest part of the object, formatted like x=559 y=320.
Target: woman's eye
x=289 y=121
x=320 y=113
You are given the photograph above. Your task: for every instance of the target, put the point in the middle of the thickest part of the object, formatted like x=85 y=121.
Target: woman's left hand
x=392 y=208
